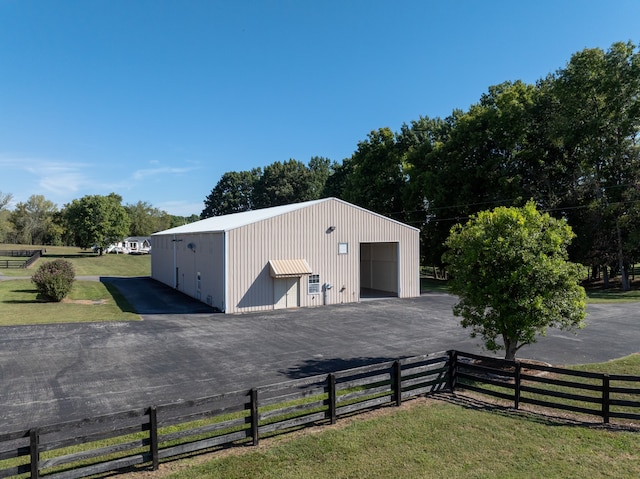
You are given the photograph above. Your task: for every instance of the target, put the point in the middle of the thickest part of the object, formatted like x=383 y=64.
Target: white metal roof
x=236 y=220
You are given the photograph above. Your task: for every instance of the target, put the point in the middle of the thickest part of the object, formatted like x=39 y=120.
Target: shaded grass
x=431 y=285
x=21 y=306
x=594 y=294
x=612 y=295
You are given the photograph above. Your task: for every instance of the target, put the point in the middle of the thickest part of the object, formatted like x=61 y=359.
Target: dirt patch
x=509 y=368
x=84 y=301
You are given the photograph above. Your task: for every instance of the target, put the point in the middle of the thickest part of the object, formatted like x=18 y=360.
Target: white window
x=314 y=284
x=343 y=248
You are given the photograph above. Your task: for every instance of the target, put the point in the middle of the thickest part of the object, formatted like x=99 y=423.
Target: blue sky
x=155 y=100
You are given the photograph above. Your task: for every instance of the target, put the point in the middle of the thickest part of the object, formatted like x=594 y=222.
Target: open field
x=87 y=301
x=86 y=263
x=457 y=437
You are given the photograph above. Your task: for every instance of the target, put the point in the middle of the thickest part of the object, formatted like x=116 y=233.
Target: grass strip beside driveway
x=88 y=301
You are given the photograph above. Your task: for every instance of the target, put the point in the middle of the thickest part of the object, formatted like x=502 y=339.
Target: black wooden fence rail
x=32 y=256
x=145 y=436
x=595 y=394
x=114 y=442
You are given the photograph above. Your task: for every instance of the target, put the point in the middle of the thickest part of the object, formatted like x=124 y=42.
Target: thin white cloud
x=63 y=181
x=52 y=176
x=165 y=170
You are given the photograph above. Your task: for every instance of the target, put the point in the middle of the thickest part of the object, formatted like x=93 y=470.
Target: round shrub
x=54 y=279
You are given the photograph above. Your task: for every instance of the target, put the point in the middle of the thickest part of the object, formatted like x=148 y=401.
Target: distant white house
x=131 y=245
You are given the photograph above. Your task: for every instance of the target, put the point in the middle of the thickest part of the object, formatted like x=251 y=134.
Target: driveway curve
x=184 y=350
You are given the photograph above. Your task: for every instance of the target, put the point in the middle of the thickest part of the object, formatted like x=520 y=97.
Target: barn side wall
x=195 y=261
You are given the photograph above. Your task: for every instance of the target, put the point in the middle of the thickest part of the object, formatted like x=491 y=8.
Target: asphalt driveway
x=184 y=350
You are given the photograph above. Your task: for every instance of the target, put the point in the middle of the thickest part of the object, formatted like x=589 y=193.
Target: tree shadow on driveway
x=313 y=367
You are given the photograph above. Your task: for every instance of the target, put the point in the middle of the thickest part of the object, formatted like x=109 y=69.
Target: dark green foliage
x=232 y=194
x=569 y=142
x=277 y=184
x=97 y=220
x=510 y=271
x=54 y=279
x=145 y=219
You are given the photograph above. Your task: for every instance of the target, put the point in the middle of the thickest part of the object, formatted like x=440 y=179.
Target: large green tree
x=97 y=220
x=320 y=169
x=596 y=122
x=145 y=219
x=377 y=178
x=33 y=220
x=511 y=272
x=469 y=162
x=284 y=183
x=232 y=194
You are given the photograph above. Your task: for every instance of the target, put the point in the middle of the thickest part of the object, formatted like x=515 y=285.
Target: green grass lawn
x=87 y=301
x=86 y=263
x=439 y=440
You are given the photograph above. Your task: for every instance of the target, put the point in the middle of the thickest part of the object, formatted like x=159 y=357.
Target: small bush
x=54 y=279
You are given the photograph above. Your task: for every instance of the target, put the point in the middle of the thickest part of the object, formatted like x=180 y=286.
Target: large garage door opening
x=378 y=270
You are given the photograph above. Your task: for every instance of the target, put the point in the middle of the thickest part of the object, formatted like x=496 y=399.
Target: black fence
x=144 y=437
x=605 y=396
x=32 y=256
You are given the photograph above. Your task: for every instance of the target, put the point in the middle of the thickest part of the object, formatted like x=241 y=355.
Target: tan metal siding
x=162 y=259
x=305 y=234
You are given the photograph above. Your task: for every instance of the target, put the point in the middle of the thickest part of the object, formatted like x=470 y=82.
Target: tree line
x=569 y=143
x=93 y=220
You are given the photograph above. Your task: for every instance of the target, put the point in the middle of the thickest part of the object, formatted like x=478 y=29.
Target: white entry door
x=285 y=293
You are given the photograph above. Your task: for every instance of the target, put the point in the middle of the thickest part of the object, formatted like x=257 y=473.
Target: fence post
x=331 y=391
x=453 y=368
x=254 y=416
x=34 y=450
x=397 y=382
x=516 y=391
x=605 y=398
x=153 y=436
